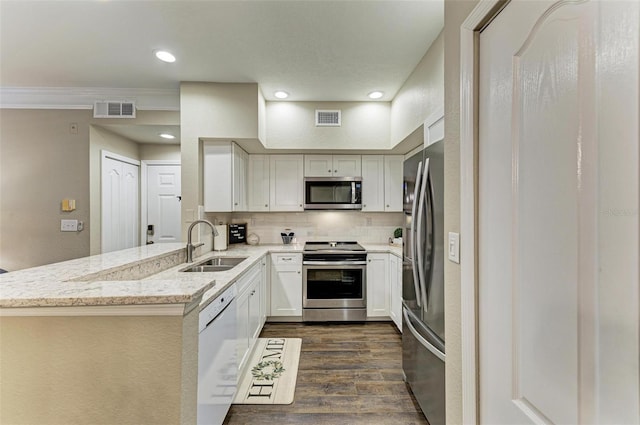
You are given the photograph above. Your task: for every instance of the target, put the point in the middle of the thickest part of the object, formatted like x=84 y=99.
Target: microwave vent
x=328 y=118
x=114 y=109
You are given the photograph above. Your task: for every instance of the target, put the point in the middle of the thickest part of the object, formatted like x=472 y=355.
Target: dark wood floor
x=349 y=374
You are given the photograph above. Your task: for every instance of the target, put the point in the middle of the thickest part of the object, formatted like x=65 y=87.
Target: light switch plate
x=454 y=247
x=68 y=225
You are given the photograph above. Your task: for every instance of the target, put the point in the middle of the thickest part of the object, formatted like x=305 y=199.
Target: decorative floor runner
x=270 y=376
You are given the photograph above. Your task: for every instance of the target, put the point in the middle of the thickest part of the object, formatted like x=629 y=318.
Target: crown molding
x=85 y=97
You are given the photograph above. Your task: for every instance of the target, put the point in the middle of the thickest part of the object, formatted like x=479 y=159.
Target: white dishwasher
x=217 y=368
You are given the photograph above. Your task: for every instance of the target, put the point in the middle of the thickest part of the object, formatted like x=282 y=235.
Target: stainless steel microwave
x=333 y=193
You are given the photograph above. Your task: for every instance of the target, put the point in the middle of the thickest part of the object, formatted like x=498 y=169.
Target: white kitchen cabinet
x=224 y=177
x=395 y=286
x=378 y=289
x=332 y=166
x=258 y=183
x=265 y=307
x=286 y=285
x=240 y=168
x=286 y=182
x=372 y=183
x=249 y=322
x=393 y=190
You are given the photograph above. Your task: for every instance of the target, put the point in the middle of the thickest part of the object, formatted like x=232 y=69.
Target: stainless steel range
x=334 y=283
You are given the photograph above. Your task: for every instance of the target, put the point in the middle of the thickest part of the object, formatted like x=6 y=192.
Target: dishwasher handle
x=217 y=315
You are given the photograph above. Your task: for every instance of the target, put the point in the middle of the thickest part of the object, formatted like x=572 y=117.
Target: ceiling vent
x=114 y=109
x=328 y=118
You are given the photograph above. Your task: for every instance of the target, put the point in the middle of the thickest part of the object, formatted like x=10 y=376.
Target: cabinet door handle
x=266 y=205
x=387 y=205
x=299 y=272
x=328 y=171
x=335 y=171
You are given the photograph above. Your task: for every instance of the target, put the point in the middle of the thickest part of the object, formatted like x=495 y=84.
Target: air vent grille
x=328 y=118
x=114 y=109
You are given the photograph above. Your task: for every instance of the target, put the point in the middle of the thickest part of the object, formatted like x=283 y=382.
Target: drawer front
x=283 y=259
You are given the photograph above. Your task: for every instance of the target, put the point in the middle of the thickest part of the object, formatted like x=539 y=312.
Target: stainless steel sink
x=216 y=264
x=223 y=261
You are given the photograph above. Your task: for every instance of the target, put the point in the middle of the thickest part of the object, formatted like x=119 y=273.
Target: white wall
x=291 y=125
x=455 y=12
x=421 y=95
x=152 y=151
x=42 y=163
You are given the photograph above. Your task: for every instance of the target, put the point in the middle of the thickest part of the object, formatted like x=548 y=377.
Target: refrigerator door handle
x=421 y=339
x=414 y=266
x=420 y=236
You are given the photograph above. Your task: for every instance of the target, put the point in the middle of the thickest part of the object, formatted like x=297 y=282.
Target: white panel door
x=393 y=177
x=120 y=205
x=347 y=166
x=318 y=165
x=378 y=288
x=558 y=214
x=287 y=185
x=372 y=183
x=163 y=203
x=258 y=183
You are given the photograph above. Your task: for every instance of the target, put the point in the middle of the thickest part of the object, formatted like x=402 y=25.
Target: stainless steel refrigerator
x=423 y=344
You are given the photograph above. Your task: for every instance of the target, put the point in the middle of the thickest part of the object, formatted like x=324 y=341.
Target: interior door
x=163 y=203
x=558 y=214
x=120 y=204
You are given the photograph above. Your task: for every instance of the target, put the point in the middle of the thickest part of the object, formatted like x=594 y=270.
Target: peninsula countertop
x=144 y=275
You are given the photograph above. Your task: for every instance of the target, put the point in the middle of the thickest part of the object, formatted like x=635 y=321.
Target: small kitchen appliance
x=334 y=282
x=333 y=193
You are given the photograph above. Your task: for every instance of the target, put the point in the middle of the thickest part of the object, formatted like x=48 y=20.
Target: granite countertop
x=149 y=274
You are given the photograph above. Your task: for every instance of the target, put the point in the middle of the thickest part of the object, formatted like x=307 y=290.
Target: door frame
x=478 y=19
x=144 y=169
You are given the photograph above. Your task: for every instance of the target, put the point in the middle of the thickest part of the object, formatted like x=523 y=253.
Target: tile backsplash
x=317 y=225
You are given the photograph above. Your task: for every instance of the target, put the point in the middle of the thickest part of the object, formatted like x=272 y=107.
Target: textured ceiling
x=315 y=50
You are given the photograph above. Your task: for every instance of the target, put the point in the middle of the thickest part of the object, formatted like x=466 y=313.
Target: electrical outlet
x=68 y=225
x=454 y=247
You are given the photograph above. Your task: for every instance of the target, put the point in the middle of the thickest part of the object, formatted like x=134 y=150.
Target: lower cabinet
x=286 y=285
x=395 y=283
x=249 y=323
x=378 y=285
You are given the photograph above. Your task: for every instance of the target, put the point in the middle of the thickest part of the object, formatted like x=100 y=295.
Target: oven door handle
x=334 y=263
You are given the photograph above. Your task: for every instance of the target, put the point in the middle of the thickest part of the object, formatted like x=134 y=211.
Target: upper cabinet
x=393 y=183
x=286 y=191
x=258 y=183
x=372 y=183
x=332 y=166
x=382 y=183
x=225 y=177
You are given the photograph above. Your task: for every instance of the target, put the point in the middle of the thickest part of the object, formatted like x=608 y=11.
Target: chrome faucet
x=190 y=246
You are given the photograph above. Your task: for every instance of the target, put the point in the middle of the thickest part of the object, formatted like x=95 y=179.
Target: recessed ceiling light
x=375 y=95
x=165 y=56
x=281 y=94
x=167 y=136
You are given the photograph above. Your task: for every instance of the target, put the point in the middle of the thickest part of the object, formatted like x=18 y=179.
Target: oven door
x=334 y=285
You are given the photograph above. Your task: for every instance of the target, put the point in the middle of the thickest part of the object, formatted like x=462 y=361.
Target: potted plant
x=397 y=236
